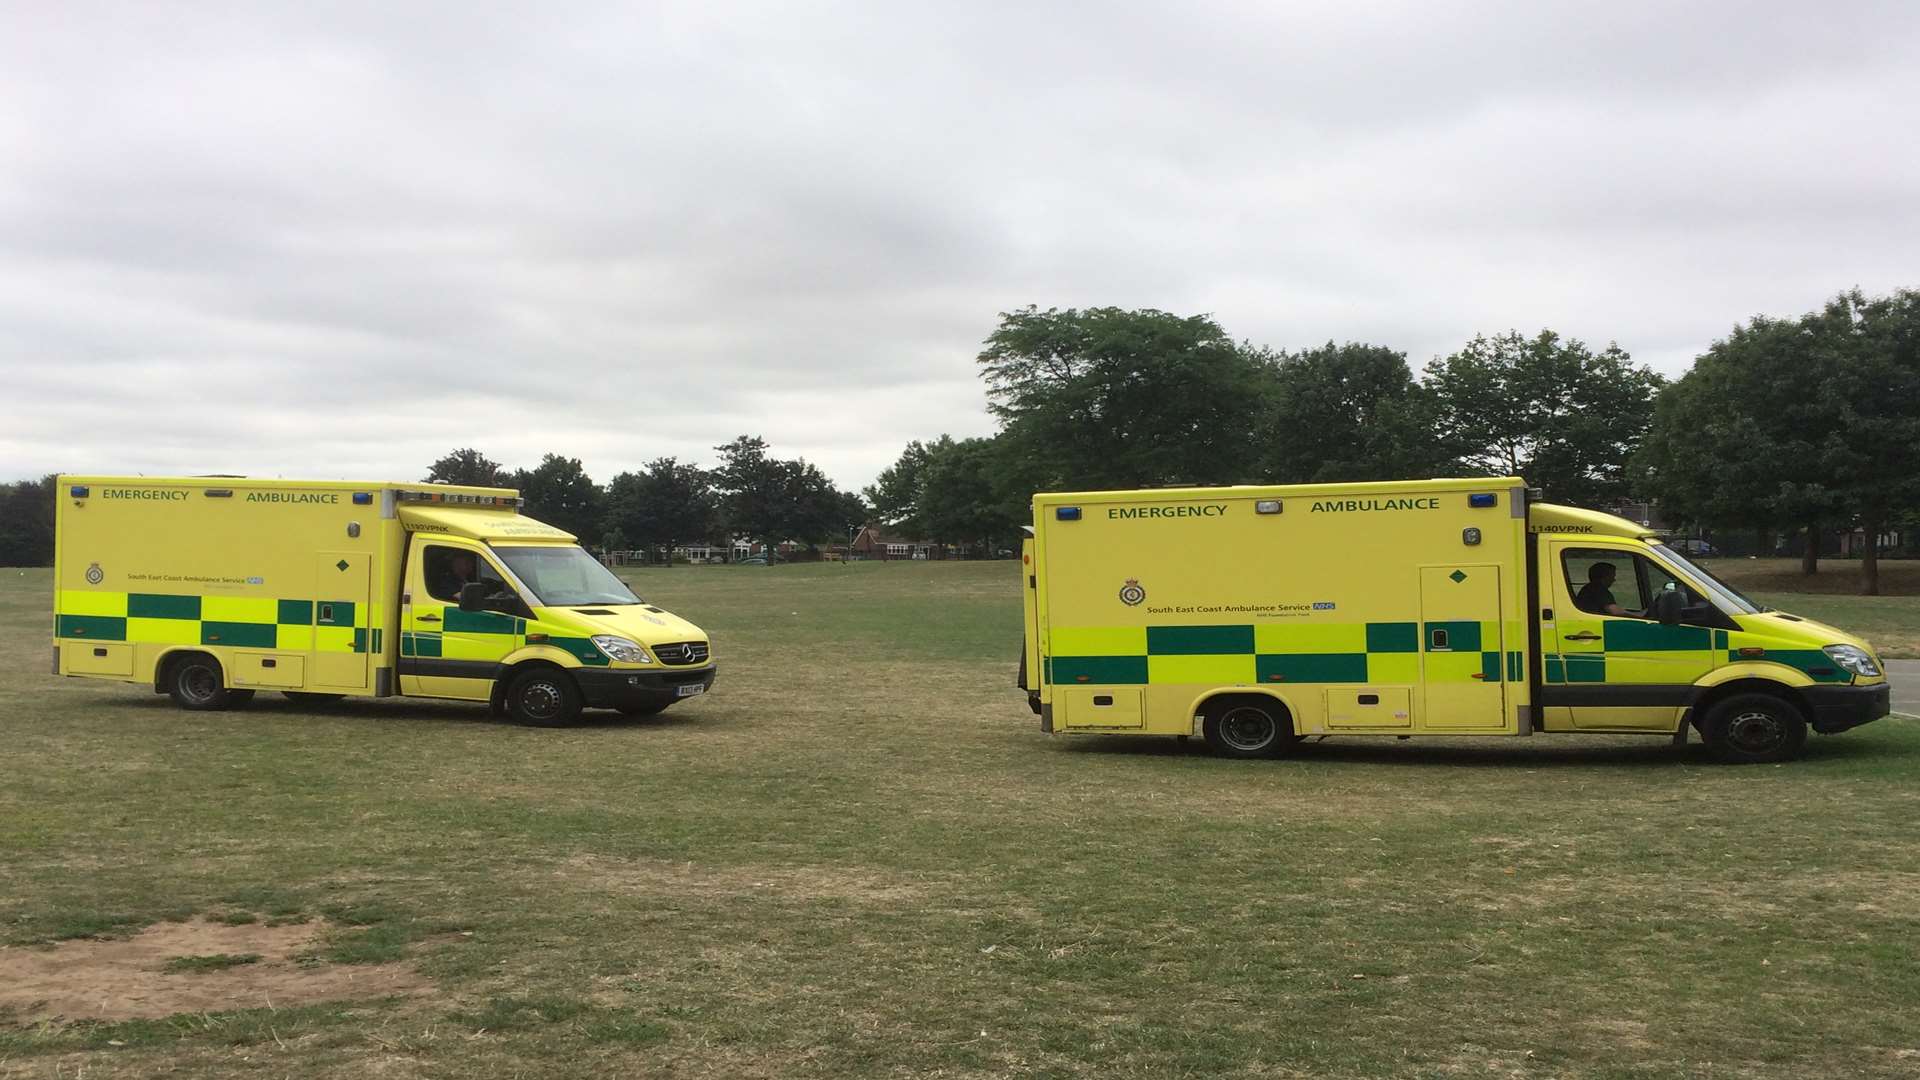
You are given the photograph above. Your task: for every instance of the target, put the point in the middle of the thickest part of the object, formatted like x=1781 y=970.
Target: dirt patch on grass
x=799 y=883
x=151 y=974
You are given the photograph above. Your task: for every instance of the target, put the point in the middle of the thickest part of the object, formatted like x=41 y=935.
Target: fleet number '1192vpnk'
x=211 y=589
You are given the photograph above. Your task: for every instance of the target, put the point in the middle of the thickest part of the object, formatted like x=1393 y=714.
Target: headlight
x=619 y=648
x=1857 y=660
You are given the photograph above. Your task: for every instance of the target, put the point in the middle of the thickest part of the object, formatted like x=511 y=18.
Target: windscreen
x=1725 y=594
x=564 y=576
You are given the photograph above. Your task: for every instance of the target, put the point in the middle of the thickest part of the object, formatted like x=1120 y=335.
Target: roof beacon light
x=1484 y=498
x=1066 y=513
x=1266 y=506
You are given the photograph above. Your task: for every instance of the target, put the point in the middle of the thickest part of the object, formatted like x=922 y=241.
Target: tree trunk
x=1763 y=540
x=1870 y=558
x=1810 y=557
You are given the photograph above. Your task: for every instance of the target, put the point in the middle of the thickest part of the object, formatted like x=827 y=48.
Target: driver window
x=1597 y=577
x=1658 y=580
x=448 y=568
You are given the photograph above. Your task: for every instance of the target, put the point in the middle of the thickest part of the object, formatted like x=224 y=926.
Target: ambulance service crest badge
x=1131 y=594
x=95 y=575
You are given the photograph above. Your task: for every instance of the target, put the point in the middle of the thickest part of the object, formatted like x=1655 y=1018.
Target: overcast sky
x=336 y=239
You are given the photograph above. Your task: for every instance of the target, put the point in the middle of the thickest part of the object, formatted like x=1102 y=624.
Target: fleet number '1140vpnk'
x=1441 y=607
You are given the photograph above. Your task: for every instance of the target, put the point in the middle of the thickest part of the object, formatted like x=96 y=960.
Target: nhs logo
x=1323 y=605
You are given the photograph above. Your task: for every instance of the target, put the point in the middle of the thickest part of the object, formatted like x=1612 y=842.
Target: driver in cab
x=455 y=571
x=1596 y=596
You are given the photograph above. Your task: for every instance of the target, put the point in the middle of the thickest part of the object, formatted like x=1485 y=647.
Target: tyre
x=1748 y=729
x=307 y=698
x=543 y=697
x=642 y=710
x=1249 y=728
x=196 y=682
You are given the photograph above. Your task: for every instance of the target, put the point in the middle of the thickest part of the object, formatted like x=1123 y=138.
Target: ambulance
x=212 y=589
x=1257 y=617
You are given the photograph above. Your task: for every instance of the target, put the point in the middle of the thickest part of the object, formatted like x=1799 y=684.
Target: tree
x=1555 y=412
x=1748 y=435
x=663 y=505
x=469 y=467
x=895 y=494
x=772 y=500
x=1867 y=352
x=750 y=487
x=961 y=500
x=1345 y=413
x=560 y=493
x=1108 y=398
x=26 y=522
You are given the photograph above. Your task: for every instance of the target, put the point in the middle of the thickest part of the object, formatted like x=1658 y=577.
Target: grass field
x=859 y=857
x=1891 y=621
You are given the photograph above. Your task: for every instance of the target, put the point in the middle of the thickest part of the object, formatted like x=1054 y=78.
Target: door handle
x=1584 y=635
x=426 y=618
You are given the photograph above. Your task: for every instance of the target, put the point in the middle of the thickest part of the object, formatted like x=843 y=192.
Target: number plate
x=690 y=690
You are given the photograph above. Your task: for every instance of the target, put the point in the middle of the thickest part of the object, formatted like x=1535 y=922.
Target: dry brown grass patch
x=124 y=979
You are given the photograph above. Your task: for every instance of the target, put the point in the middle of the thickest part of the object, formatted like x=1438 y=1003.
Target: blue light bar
x=1066 y=513
x=1484 y=499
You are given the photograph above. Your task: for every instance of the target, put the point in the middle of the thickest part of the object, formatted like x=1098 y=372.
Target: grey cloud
x=340 y=239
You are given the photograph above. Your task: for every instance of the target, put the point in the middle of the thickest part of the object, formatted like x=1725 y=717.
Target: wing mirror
x=473 y=596
x=1668 y=607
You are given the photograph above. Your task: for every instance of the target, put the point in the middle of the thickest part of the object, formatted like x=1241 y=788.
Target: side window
x=1597 y=577
x=448 y=568
x=1658 y=581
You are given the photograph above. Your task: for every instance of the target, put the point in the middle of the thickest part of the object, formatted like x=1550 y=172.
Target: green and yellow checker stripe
x=487 y=635
x=1630 y=653
x=246 y=622
x=1384 y=652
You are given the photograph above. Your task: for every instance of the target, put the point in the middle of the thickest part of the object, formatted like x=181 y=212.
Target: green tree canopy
x=1810 y=422
x=895 y=494
x=1344 y=413
x=664 y=504
x=1109 y=398
x=469 y=467
x=559 y=492
x=1738 y=439
x=773 y=499
x=26 y=522
x=1551 y=410
x=964 y=501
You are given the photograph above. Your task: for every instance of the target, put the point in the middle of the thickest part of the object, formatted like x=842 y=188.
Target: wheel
x=196 y=682
x=643 y=710
x=306 y=698
x=543 y=697
x=1748 y=729
x=1249 y=728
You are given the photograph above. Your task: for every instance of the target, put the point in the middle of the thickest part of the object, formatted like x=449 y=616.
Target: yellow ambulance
x=1259 y=616
x=214 y=588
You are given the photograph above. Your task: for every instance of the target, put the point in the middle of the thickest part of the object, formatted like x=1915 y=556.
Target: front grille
x=682 y=652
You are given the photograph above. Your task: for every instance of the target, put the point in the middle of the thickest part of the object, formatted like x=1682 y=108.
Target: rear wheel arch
x=163 y=665
x=197 y=680
x=1206 y=701
x=1247 y=723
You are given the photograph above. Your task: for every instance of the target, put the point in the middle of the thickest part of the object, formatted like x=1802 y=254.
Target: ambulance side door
x=446 y=652
x=1618 y=672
